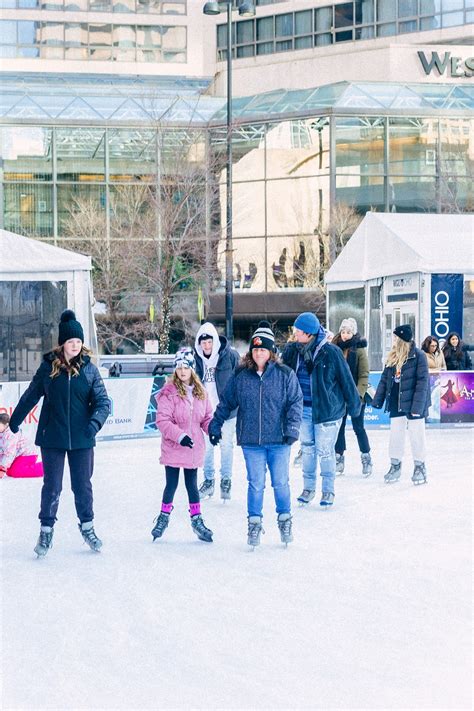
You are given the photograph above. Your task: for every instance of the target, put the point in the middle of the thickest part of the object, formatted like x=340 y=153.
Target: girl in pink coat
x=183 y=413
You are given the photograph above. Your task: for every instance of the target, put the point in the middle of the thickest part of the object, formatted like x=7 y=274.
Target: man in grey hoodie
x=216 y=361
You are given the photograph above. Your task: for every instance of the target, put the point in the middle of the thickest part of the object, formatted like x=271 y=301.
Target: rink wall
x=133 y=404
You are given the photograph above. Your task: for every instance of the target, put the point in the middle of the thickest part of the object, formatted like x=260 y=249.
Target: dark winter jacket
x=357 y=360
x=270 y=406
x=74 y=407
x=414 y=393
x=332 y=386
x=226 y=365
x=464 y=361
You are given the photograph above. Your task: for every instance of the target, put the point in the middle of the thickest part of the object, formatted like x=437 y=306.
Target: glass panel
x=364 y=11
x=249 y=264
x=412 y=194
x=453 y=19
x=149 y=36
x=303 y=42
x=452 y=5
x=173 y=37
x=265 y=48
x=303 y=22
x=89 y=201
x=26 y=153
x=132 y=155
x=149 y=55
x=28 y=209
x=75 y=5
x=413 y=146
x=469 y=16
x=457 y=147
x=360 y=146
x=361 y=193
x=294 y=263
x=375 y=340
x=7 y=32
x=80 y=154
x=28 y=309
x=248 y=153
x=429 y=7
x=246 y=51
x=323 y=19
x=75 y=34
x=387 y=30
x=123 y=5
x=284 y=25
x=362 y=33
x=52 y=33
x=124 y=36
x=407 y=8
x=345 y=36
x=430 y=23
x=295 y=206
x=28 y=32
x=343 y=14
x=285 y=46
x=8 y=4
x=324 y=39
x=410 y=26
x=8 y=51
x=386 y=10
x=28 y=51
x=344 y=303
x=245 y=31
x=29 y=3
x=221 y=36
x=468 y=310
x=99 y=5
x=264 y=29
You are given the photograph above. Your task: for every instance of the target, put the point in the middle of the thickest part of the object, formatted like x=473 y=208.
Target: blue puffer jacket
x=270 y=406
x=332 y=386
x=414 y=394
x=74 y=408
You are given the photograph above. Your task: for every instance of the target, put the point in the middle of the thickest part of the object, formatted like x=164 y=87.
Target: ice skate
x=200 y=529
x=285 y=525
x=161 y=524
x=206 y=489
x=254 y=531
x=339 y=464
x=297 y=460
x=327 y=499
x=226 y=485
x=366 y=464
x=394 y=473
x=45 y=541
x=306 y=497
x=419 y=474
x=89 y=536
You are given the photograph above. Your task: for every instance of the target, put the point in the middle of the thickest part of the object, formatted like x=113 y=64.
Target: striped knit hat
x=263 y=337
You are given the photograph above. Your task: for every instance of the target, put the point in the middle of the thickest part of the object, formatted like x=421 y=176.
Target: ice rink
x=369 y=608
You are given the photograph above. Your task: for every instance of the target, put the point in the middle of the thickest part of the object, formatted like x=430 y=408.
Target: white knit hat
x=184 y=358
x=349 y=324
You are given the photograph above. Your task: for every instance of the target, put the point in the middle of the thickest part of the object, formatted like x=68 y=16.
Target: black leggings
x=190 y=479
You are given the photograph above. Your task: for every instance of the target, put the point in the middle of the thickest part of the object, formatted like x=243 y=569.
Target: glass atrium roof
x=181 y=100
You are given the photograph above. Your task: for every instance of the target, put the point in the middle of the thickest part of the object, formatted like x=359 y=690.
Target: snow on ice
x=369 y=608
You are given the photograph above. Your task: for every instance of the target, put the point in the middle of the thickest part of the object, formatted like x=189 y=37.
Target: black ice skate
x=285 y=526
x=307 y=496
x=45 y=541
x=394 y=473
x=161 y=524
x=366 y=464
x=339 y=464
x=200 y=529
x=226 y=485
x=327 y=499
x=419 y=474
x=254 y=531
x=89 y=536
x=206 y=489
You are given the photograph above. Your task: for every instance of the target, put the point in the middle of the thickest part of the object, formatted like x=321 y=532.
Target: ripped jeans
x=317 y=442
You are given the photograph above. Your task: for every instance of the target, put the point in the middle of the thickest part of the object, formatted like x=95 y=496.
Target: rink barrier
x=133 y=405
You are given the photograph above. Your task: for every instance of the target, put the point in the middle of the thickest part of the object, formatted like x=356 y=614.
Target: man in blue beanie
x=328 y=391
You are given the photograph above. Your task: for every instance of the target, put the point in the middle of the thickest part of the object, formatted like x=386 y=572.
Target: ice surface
x=369 y=608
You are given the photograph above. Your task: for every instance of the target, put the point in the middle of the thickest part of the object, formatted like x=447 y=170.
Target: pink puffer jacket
x=175 y=417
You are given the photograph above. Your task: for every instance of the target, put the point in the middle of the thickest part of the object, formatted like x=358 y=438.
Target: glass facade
x=342 y=22
x=150 y=7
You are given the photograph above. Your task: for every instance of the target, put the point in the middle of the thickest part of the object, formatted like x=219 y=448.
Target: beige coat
x=436 y=361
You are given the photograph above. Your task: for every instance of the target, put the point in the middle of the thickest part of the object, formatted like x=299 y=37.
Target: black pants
x=190 y=479
x=81 y=466
x=360 y=433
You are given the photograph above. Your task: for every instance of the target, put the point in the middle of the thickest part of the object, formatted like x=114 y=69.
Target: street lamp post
x=245 y=9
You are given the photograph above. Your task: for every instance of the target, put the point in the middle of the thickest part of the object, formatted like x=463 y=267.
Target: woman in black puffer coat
x=456 y=353
x=405 y=389
x=75 y=407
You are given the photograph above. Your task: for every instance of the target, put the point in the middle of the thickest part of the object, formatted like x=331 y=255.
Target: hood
x=210 y=329
x=354 y=342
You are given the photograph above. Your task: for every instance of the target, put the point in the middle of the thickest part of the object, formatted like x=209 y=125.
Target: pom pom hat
x=69 y=327
x=263 y=337
x=184 y=358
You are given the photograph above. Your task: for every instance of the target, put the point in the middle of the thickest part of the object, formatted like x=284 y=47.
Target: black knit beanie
x=404 y=332
x=263 y=337
x=69 y=327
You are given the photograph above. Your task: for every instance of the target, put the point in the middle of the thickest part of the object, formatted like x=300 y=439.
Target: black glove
x=13 y=428
x=91 y=430
x=289 y=440
x=214 y=439
x=187 y=442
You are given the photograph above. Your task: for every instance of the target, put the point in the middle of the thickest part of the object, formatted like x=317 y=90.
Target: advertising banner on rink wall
x=133 y=405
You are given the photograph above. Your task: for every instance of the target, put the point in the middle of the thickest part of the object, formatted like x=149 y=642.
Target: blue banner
x=446 y=304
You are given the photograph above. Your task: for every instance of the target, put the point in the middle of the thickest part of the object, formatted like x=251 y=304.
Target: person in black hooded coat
x=456 y=353
x=75 y=407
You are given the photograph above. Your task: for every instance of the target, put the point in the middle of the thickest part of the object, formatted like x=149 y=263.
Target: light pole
x=245 y=9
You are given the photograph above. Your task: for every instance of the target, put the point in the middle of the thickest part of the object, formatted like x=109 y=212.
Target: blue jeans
x=226 y=445
x=317 y=441
x=277 y=458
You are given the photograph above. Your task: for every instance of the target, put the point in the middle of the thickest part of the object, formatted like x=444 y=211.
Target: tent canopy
x=388 y=243
x=22 y=254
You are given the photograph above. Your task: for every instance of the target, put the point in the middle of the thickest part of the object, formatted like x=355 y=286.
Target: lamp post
x=245 y=9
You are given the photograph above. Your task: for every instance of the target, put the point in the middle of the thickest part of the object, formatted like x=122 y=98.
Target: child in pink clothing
x=184 y=413
x=17 y=454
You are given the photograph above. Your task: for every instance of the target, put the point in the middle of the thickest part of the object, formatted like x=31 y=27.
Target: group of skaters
x=268 y=401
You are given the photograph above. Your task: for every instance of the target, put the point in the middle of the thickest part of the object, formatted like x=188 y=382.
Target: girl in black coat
x=456 y=353
x=75 y=407
x=405 y=389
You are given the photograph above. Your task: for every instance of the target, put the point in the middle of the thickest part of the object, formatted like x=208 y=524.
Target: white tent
x=390 y=243
x=23 y=259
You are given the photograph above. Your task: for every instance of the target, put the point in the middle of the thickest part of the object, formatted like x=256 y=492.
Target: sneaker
x=226 y=485
x=327 y=499
x=307 y=496
x=161 y=524
x=419 y=474
x=206 y=489
x=254 y=530
x=339 y=464
x=394 y=473
x=89 y=536
x=298 y=459
x=45 y=541
x=200 y=529
x=366 y=464
x=285 y=526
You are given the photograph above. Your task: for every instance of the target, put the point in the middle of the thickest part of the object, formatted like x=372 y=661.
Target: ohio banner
x=446 y=304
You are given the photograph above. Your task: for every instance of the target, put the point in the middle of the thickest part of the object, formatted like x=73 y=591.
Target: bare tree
x=343 y=222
